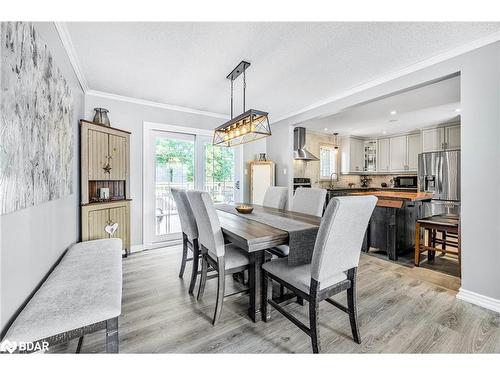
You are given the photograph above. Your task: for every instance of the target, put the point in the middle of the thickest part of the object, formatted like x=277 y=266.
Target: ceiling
x=294 y=65
x=404 y=112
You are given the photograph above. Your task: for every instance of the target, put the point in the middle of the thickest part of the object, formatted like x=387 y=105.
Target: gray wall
x=32 y=239
x=480 y=134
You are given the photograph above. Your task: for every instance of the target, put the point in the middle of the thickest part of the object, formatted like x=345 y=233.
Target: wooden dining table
x=255 y=237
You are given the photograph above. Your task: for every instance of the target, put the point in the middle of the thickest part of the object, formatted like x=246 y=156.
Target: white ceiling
x=415 y=109
x=294 y=65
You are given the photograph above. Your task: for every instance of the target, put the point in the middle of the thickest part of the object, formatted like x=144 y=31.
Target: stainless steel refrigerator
x=439 y=173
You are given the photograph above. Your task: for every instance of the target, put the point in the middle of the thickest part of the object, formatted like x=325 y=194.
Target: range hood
x=299 y=141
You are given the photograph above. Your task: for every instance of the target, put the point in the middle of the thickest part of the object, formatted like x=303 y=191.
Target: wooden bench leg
x=112 y=343
x=417 y=245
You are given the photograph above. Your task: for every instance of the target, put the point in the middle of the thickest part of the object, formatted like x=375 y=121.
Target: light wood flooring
x=400 y=310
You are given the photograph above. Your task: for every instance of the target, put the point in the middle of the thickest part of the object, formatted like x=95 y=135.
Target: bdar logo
x=7 y=346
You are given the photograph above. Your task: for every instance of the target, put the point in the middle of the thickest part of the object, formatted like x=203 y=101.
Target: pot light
x=457 y=110
x=326 y=129
x=393 y=112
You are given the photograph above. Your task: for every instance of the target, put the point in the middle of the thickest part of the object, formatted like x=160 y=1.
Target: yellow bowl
x=243 y=209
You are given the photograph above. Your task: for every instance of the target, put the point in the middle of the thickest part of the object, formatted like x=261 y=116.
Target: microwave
x=405 y=182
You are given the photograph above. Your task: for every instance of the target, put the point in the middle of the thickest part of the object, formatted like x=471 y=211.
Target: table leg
x=255 y=284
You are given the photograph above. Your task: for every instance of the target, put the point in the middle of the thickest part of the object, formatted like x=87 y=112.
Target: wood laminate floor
x=400 y=311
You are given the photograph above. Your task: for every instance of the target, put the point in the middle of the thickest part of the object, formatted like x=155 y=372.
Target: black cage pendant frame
x=250 y=126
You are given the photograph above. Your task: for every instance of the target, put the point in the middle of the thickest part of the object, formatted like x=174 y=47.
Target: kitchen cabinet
x=442 y=138
x=383 y=155
x=432 y=139
x=398 y=153
x=414 y=148
x=370 y=156
x=352 y=155
x=452 y=137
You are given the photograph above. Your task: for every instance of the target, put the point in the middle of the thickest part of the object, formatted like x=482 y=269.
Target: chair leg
x=203 y=279
x=112 y=342
x=417 y=245
x=194 y=272
x=267 y=294
x=313 y=316
x=351 y=305
x=221 y=286
x=184 y=255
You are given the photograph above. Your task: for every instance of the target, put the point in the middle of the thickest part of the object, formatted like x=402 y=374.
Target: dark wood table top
x=254 y=236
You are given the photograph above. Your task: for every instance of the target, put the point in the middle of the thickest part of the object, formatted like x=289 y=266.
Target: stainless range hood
x=299 y=141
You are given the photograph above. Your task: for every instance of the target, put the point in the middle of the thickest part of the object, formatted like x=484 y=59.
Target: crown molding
x=149 y=103
x=478 y=43
x=62 y=30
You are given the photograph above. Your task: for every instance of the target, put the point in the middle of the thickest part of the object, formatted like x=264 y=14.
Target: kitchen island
x=392 y=225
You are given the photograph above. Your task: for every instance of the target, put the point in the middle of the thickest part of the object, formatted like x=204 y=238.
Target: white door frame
x=199 y=166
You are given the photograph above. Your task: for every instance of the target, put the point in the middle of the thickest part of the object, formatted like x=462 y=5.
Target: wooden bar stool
x=448 y=226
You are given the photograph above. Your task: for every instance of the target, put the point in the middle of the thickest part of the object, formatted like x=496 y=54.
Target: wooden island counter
x=392 y=225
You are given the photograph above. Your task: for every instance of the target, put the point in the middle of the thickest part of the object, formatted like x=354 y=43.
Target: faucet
x=331 y=179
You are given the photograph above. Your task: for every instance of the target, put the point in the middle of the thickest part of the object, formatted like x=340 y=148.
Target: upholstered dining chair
x=332 y=269
x=189 y=235
x=275 y=197
x=308 y=201
x=226 y=259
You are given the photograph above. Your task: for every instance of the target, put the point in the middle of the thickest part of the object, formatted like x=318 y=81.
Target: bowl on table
x=244 y=209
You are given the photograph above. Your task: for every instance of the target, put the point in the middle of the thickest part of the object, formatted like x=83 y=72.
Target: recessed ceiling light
x=384 y=132
x=326 y=129
x=393 y=112
x=457 y=110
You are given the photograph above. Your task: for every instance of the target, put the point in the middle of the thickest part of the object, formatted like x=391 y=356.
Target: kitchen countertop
x=372 y=189
x=395 y=195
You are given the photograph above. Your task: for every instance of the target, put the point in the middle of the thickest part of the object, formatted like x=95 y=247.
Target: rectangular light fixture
x=247 y=127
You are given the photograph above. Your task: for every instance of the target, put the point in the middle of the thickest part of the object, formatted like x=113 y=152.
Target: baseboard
x=142 y=247
x=478 y=299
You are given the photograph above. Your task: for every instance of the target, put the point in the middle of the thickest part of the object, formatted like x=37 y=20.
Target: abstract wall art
x=36 y=132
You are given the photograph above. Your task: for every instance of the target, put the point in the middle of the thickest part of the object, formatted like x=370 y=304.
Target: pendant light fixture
x=336 y=142
x=247 y=127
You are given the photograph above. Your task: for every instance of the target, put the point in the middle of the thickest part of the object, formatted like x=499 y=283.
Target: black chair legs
x=351 y=306
x=184 y=255
x=203 y=278
x=194 y=271
x=313 y=318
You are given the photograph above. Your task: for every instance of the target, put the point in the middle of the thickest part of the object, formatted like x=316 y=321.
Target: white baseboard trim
x=142 y=247
x=479 y=299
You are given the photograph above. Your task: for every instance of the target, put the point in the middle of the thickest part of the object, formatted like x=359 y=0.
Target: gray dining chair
x=332 y=269
x=276 y=197
x=225 y=259
x=310 y=201
x=189 y=235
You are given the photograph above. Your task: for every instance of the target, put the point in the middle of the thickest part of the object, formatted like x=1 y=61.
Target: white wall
x=480 y=134
x=32 y=239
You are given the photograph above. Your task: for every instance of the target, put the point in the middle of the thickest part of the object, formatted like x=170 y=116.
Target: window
x=327 y=162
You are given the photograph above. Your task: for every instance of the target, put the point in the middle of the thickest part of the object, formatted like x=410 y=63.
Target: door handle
x=237 y=185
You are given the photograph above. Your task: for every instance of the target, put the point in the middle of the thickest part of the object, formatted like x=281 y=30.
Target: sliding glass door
x=185 y=161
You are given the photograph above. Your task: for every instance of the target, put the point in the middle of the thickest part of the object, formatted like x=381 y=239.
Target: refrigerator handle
x=440 y=177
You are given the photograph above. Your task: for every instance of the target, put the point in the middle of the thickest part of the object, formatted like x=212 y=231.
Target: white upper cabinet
x=452 y=137
x=398 y=153
x=414 y=148
x=432 y=140
x=383 y=155
x=352 y=155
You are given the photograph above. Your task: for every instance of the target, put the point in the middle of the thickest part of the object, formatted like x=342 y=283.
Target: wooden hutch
x=105 y=163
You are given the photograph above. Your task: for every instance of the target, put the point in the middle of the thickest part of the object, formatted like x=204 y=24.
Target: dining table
x=255 y=237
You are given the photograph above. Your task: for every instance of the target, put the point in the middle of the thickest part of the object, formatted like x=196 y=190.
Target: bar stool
x=449 y=228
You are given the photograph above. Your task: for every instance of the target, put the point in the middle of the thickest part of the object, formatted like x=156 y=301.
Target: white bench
x=81 y=295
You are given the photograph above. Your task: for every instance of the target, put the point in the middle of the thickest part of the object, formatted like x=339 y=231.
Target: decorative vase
x=262 y=156
x=101 y=116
